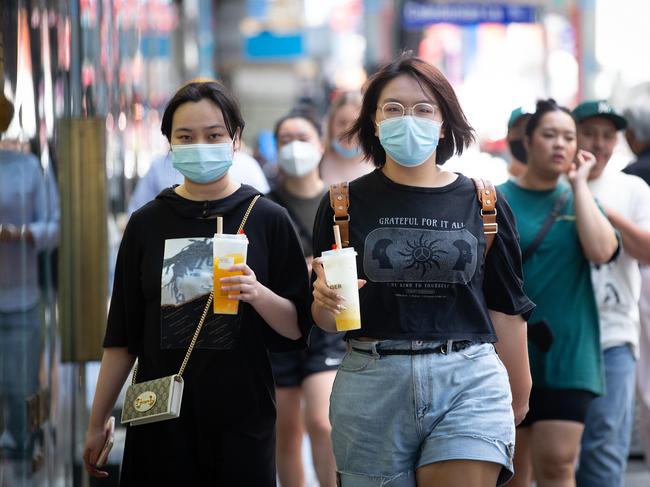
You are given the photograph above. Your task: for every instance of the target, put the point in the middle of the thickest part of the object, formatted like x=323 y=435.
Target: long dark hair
x=458 y=133
x=212 y=90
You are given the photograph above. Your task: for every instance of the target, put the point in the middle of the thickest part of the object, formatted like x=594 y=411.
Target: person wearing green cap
x=617 y=288
x=516 y=133
x=561 y=232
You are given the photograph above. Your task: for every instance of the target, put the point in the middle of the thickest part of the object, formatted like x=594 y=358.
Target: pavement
x=637 y=475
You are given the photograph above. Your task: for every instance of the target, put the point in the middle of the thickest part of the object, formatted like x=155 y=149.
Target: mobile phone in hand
x=103 y=455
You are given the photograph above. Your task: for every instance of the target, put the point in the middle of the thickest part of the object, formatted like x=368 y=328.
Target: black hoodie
x=162 y=279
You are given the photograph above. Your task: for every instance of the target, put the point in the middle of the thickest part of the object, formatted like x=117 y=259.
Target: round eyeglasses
x=393 y=109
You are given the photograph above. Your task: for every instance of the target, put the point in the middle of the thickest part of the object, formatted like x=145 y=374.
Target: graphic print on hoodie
x=186 y=282
x=185 y=286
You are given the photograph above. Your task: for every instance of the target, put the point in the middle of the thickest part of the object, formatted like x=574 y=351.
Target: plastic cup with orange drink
x=228 y=250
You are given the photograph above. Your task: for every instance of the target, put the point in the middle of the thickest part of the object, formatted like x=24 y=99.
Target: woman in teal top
x=557 y=278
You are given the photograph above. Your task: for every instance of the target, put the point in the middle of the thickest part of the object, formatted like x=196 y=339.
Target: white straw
x=219 y=225
x=337 y=237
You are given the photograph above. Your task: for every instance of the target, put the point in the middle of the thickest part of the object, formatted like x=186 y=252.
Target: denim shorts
x=392 y=414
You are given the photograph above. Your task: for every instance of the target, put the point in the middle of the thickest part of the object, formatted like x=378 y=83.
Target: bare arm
x=280 y=313
x=597 y=236
x=115 y=368
x=513 y=351
x=636 y=240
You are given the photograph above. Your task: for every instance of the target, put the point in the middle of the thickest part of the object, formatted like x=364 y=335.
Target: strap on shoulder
x=247 y=214
x=487 y=198
x=340 y=203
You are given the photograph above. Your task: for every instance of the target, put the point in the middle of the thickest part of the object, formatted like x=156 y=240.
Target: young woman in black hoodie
x=225 y=434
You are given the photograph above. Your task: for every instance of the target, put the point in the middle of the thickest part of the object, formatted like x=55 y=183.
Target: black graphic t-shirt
x=163 y=278
x=421 y=251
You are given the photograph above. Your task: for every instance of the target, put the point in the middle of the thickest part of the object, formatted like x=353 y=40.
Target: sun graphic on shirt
x=422 y=254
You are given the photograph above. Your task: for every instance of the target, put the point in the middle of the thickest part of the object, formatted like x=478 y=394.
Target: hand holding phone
x=110 y=439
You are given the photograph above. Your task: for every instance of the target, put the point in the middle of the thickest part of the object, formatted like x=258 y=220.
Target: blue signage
x=270 y=46
x=418 y=14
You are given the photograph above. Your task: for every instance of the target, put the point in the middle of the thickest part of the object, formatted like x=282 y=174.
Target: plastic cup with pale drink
x=340 y=267
x=228 y=250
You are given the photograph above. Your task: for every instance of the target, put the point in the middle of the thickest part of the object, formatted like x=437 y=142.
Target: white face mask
x=299 y=158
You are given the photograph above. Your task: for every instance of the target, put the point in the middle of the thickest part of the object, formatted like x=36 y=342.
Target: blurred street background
x=89 y=79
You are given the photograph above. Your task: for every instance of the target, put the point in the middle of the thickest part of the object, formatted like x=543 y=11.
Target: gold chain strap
x=196 y=334
x=247 y=214
x=207 y=305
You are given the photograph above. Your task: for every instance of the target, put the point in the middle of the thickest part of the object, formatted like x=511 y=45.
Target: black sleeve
x=503 y=280
x=288 y=278
x=322 y=235
x=126 y=314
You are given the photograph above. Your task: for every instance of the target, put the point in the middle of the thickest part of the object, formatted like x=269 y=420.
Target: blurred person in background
x=617 y=286
x=343 y=159
x=422 y=398
x=557 y=277
x=266 y=153
x=28 y=225
x=638 y=138
x=303 y=378
x=225 y=434
x=515 y=137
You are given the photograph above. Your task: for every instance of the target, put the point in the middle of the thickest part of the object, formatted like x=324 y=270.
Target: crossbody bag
x=160 y=399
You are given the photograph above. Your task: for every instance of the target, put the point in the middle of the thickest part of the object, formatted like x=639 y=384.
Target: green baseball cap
x=517 y=113
x=599 y=108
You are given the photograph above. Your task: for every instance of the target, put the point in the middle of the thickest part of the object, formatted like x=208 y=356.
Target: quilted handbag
x=158 y=399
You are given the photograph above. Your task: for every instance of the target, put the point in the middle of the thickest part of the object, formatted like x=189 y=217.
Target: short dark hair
x=457 y=130
x=211 y=90
x=542 y=108
x=301 y=111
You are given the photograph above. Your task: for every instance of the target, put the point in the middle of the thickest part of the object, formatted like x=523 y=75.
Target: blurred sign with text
x=416 y=15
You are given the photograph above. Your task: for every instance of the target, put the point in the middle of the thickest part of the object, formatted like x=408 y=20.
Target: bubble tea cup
x=228 y=250
x=340 y=267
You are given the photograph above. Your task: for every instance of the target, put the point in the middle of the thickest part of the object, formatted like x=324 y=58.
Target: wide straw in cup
x=228 y=250
x=340 y=267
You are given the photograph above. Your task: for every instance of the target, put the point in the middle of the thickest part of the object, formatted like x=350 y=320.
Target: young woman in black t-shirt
x=422 y=398
x=225 y=434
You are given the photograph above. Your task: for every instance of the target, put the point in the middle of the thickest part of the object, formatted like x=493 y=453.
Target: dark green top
x=557 y=278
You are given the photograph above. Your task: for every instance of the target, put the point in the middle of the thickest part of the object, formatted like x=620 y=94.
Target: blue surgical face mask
x=409 y=140
x=349 y=153
x=202 y=163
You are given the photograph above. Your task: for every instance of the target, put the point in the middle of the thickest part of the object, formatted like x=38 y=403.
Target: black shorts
x=557 y=404
x=324 y=352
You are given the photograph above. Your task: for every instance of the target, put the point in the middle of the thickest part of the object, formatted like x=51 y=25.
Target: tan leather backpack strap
x=340 y=202
x=487 y=198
